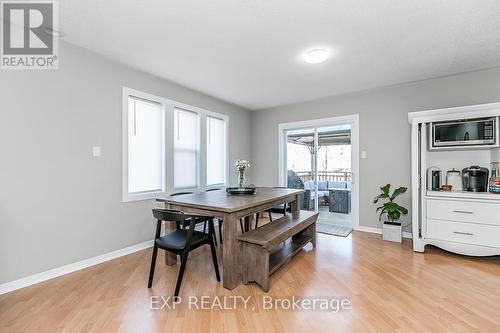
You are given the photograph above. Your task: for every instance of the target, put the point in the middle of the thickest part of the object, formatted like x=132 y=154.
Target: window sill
x=142 y=196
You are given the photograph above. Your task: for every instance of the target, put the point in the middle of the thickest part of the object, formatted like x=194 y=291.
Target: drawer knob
x=463 y=233
x=462 y=212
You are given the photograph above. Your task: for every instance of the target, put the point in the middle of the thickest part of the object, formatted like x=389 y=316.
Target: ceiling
x=249 y=52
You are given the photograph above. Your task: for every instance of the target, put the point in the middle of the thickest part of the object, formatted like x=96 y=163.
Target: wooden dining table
x=230 y=208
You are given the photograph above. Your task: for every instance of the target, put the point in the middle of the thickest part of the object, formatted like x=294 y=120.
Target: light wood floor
x=391 y=289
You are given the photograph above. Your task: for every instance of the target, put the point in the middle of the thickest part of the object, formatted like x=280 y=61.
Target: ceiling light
x=316 y=56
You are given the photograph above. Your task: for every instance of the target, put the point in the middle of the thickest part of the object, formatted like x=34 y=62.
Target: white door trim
x=353 y=120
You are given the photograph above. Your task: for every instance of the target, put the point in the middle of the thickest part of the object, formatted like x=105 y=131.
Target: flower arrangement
x=241 y=166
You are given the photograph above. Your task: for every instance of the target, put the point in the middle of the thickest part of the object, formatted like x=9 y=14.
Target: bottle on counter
x=495 y=178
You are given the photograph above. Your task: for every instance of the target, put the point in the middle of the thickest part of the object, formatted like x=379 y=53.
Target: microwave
x=460 y=134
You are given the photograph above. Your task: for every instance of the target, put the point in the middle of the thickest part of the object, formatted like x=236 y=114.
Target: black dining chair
x=279 y=209
x=185 y=224
x=181 y=241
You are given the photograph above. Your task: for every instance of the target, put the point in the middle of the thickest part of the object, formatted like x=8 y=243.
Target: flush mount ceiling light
x=316 y=56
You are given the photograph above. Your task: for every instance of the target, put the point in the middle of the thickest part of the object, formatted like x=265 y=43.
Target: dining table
x=229 y=208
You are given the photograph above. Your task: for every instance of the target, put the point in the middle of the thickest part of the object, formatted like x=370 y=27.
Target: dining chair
x=280 y=209
x=185 y=224
x=181 y=241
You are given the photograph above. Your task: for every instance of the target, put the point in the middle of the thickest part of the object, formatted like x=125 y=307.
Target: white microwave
x=462 y=134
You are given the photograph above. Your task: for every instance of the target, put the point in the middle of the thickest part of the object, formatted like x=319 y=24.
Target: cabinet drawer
x=469 y=233
x=464 y=211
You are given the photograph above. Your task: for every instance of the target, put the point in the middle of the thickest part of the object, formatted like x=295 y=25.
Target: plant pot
x=392 y=232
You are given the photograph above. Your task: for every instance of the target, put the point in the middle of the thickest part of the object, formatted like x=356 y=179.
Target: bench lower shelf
x=282 y=255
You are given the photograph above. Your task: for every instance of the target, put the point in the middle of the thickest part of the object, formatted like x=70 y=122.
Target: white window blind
x=146 y=141
x=186 y=149
x=216 y=151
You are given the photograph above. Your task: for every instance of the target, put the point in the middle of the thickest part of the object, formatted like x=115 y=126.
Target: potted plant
x=392 y=230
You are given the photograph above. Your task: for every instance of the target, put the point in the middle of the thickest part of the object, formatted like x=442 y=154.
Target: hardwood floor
x=391 y=288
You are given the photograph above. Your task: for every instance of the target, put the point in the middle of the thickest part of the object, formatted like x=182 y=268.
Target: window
x=144 y=162
x=186 y=149
x=216 y=151
x=170 y=146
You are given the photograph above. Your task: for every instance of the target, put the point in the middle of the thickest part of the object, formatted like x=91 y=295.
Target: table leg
x=230 y=252
x=296 y=204
x=247 y=223
x=251 y=223
x=295 y=210
x=170 y=258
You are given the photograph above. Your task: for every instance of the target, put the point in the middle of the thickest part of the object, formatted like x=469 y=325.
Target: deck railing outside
x=325 y=176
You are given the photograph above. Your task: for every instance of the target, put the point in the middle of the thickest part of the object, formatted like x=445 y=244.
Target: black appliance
x=436 y=180
x=475 y=179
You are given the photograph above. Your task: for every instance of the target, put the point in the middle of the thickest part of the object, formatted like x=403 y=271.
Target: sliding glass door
x=301 y=164
x=318 y=159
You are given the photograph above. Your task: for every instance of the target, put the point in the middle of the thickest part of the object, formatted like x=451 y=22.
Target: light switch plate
x=96 y=151
x=363 y=154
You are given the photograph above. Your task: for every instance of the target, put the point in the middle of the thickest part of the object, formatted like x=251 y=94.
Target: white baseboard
x=374 y=230
x=53 y=273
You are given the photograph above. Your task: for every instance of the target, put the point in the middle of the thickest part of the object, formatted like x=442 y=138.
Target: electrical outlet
x=96 y=151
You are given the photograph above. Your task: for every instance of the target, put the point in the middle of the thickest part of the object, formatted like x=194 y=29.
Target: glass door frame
x=314 y=124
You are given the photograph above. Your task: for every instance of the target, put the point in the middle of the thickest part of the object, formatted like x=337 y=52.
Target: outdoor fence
x=325 y=175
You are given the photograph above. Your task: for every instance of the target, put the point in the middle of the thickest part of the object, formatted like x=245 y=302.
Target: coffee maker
x=434 y=177
x=475 y=179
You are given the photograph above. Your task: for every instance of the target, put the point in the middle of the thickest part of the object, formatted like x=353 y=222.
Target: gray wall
x=58 y=204
x=384 y=128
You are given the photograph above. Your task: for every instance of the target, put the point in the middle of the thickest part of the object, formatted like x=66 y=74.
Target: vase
x=392 y=231
x=241 y=178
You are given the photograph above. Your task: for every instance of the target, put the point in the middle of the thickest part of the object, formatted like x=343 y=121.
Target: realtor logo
x=29 y=35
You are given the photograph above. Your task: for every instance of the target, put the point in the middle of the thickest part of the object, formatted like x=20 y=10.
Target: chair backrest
x=337 y=184
x=171 y=215
x=293 y=181
x=309 y=185
x=322 y=186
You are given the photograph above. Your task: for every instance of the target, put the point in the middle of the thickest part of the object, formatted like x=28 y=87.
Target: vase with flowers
x=241 y=166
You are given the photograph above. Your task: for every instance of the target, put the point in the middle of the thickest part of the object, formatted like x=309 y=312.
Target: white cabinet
x=461 y=222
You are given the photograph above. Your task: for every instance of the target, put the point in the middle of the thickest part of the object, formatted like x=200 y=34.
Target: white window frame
x=199 y=157
x=226 y=140
x=168 y=147
x=126 y=196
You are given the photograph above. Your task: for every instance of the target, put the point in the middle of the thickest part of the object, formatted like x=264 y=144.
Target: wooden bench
x=262 y=248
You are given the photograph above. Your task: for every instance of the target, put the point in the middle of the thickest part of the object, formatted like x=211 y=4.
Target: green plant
x=392 y=209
